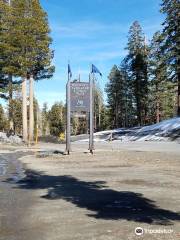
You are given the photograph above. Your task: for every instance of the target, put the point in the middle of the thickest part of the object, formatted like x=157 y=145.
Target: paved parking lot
x=104 y=196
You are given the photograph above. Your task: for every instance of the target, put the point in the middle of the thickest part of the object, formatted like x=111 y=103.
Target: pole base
x=91 y=151
x=67 y=152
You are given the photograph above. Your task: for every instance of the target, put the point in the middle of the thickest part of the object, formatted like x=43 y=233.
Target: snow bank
x=12 y=139
x=163 y=131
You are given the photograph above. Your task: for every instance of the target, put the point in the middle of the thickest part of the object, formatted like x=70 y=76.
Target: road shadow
x=107 y=204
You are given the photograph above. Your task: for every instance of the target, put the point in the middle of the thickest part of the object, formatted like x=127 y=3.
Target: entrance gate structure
x=80 y=101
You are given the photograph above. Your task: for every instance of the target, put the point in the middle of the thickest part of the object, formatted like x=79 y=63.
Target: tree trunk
x=157 y=111
x=116 y=116
x=116 y=112
x=138 y=100
x=31 y=109
x=95 y=121
x=139 y=117
x=11 y=125
x=24 y=109
x=99 y=118
x=178 y=103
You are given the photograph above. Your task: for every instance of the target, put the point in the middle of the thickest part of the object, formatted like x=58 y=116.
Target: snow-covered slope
x=158 y=132
x=163 y=131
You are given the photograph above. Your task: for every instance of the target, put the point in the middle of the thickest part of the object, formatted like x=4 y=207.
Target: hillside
x=168 y=130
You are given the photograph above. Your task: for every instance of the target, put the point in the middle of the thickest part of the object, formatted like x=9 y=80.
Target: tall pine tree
x=25 y=42
x=4 y=16
x=137 y=61
x=28 y=41
x=171 y=31
x=158 y=77
x=116 y=93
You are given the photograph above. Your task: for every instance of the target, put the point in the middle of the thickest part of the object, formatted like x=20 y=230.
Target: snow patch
x=12 y=139
x=163 y=131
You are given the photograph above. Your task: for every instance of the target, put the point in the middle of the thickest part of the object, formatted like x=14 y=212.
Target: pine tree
x=3 y=120
x=116 y=94
x=129 y=110
x=98 y=104
x=16 y=115
x=158 y=76
x=26 y=40
x=137 y=61
x=44 y=117
x=105 y=121
x=171 y=31
x=56 y=119
x=4 y=14
x=6 y=79
x=36 y=114
x=3 y=86
x=27 y=47
x=168 y=100
x=75 y=125
x=8 y=44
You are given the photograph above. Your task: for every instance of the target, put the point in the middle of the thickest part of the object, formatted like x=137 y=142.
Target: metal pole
x=91 y=136
x=68 y=117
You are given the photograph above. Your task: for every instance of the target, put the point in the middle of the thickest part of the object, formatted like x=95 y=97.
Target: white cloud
x=105 y=55
x=87 y=29
x=90 y=29
x=103 y=41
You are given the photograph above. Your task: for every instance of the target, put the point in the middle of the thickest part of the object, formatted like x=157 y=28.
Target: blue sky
x=91 y=31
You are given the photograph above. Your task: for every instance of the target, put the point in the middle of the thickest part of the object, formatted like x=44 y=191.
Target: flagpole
x=68 y=116
x=91 y=136
x=94 y=70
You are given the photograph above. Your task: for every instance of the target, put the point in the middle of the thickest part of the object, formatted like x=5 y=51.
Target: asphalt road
x=14 y=203
x=100 y=197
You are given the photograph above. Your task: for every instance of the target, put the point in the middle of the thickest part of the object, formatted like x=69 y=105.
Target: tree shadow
x=107 y=204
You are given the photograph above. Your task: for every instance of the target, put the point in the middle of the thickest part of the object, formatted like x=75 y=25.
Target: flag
x=69 y=71
x=95 y=70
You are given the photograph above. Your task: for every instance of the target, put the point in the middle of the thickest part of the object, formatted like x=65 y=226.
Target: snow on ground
x=167 y=130
x=11 y=139
x=163 y=131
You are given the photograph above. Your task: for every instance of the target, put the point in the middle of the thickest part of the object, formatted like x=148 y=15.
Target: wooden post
x=24 y=109
x=31 y=109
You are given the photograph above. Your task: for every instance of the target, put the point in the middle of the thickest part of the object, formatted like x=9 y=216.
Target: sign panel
x=80 y=96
